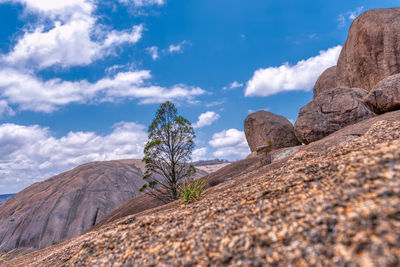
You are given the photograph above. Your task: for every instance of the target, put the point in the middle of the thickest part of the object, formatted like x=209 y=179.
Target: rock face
x=70 y=203
x=330 y=111
x=263 y=127
x=66 y=205
x=326 y=81
x=385 y=96
x=371 y=52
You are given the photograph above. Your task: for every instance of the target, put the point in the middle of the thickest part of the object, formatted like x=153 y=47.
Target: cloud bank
x=301 y=76
x=30 y=154
x=28 y=92
x=230 y=144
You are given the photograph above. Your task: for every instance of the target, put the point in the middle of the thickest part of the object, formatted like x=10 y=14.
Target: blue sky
x=81 y=80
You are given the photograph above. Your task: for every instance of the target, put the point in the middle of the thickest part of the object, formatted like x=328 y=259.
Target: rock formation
x=329 y=112
x=263 y=128
x=66 y=205
x=70 y=203
x=326 y=81
x=371 y=52
x=385 y=96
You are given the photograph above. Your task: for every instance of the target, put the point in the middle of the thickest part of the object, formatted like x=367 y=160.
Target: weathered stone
x=66 y=205
x=70 y=203
x=331 y=111
x=264 y=128
x=385 y=96
x=371 y=52
x=326 y=81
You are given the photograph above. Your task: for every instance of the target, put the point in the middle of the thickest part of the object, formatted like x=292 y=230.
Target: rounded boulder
x=326 y=81
x=371 y=50
x=385 y=96
x=330 y=111
x=264 y=128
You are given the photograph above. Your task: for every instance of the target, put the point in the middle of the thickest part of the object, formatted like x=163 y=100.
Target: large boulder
x=330 y=111
x=371 y=52
x=264 y=128
x=66 y=205
x=385 y=96
x=326 y=81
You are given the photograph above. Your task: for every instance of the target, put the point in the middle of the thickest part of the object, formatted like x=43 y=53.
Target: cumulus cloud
x=351 y=15
x=30 y=154
x=301 y=76
x=199 y=154
x=233 y=85
x=53 y=8
x=72 y=38
x=230 y=144
x=153 y=51
x=29 y=92
x=206 y=119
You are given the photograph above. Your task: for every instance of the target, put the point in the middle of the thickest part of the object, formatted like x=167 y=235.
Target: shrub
x=191 y=190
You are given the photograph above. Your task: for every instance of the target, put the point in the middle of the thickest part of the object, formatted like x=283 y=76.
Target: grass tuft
x=192 y=190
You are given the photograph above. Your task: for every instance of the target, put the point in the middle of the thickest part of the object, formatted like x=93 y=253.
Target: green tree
x=167 y=154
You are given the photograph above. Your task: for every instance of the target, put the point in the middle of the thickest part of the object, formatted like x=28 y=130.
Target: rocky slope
x=66 y=205
x=334 y=202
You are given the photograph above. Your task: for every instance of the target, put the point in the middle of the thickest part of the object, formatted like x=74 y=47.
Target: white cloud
x=67 y=44
x=31 y=93
x=301 y=76
x=153 y=51
x=172 y=49
x=215 y=103
x=141 y=3
x=119 y=37
x=233 y=85
x=206 y=119
x=349 y=16
x=199 y=154
x=5 y=109
x=67 y=35
x=178 y=48
x=230 y=144
x=58 y=7
x=30 y=154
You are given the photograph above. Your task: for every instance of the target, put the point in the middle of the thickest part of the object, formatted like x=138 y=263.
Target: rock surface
x=385 y=96
x=66 y=205
x=263 y=127
x=326 y=207
x=70 y=203
x=326 y=81
x=330 y=111
x=371 y=52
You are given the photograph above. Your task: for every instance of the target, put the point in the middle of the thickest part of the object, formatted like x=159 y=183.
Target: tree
x=167 y=153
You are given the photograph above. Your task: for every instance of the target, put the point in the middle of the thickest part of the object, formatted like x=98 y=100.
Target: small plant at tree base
x=167 y=154
x=191 y=190
x=265 y=151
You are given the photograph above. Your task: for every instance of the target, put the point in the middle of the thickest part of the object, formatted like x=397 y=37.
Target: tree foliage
x=167 y=154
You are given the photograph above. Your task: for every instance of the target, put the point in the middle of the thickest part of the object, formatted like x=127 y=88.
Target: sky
x=81 y=80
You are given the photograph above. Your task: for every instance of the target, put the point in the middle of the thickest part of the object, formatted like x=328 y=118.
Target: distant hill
x=209 y=162
x=5 y=197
